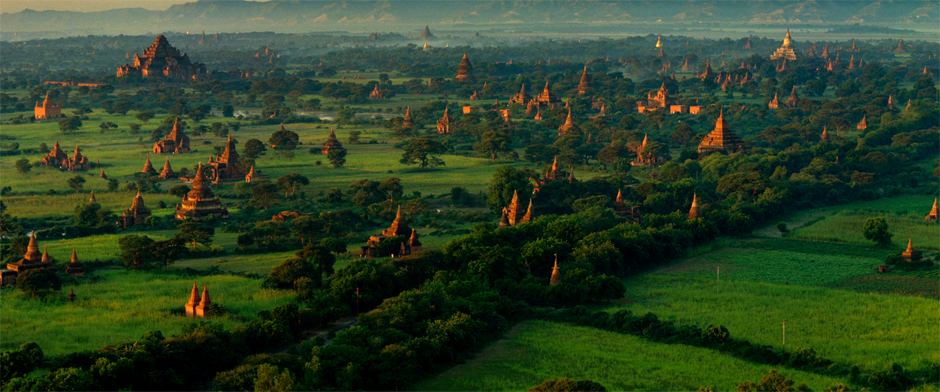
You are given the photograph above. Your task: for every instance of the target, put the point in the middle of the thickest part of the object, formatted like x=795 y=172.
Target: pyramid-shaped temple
x=162 y=60
x=721 y=138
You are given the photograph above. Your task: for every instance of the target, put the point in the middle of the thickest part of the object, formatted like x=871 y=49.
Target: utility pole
x=718 y=279
x=784 y=335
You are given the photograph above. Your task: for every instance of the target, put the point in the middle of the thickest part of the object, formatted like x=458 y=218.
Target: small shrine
x=465 y=70
x=556 y=274
x=825 y=136
x=568 y=126
x=522 y=98
x=932 y=216
x=148 y=167
x=174 y=143
x=167 y=172
x=443 y=124
x=774 y=103
x=513 y=214
x=33 y=259
x=332 y=143
x=408 y=121
x=75 y=267
x=862 y=125
x=910 y=254
x=693 y=211
x=226 y=167
x=794 y=100
x=198 y=306
x=376 y=94
x=47 y=110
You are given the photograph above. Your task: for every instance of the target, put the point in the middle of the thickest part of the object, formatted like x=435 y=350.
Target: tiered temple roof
x=227 y=166
x=32 y=259
x=721 y=138
x=332 y=143
x=547 y=98
x=56 y=157
x=426 y=34
x=585 y=83
x=465 y=70
x=521 y=98
x=162 y=60
x=443 y=125
x=398 y=228
x=200 y=202
x=786 y=50
x=167 y=171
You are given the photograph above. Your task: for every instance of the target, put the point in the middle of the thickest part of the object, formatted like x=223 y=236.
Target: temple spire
x=92 y=198
x=556 y=274
x=693 y=211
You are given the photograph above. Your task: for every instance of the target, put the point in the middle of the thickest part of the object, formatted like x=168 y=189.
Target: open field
x=534 y=351
x=846 y=226
x=869 y=330
x=118 y=305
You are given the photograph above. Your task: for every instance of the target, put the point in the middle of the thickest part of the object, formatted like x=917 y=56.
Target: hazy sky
x=12 y=6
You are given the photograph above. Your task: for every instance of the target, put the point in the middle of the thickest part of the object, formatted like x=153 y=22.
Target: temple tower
x=75 y=267
x=693 y=211
x=933 y=216
x=556 y=274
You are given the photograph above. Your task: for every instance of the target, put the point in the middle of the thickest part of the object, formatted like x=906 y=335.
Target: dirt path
x=793 y=222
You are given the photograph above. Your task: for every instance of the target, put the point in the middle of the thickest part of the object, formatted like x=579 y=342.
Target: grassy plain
x=118 y=305
x=534 y=351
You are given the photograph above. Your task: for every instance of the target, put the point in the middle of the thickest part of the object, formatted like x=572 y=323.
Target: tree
x=337 y=157
x=876 y=229
x=392 y=188
x=38 y=280
x=144 y=116
x=113 y=184
x=179 y=190
x=23 y=165
x=291 y=269
x=493 y=143
x=253 y=148
x=76 y=183
x=321 y=256
x=366 y=192
x=567 y=384
x=228 y=110
x=264 y=193
x=284 y=142
x=422 y=151
x=70 y=124
x=169 y=250
x=507 y=181
x=136 y=252
x=271 y=378
x=196 y=232
x=291 y=182
x=354 y=137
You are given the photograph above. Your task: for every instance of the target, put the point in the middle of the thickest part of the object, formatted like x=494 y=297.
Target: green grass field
x=118 y=305
x=534 y=351
x=846 y=226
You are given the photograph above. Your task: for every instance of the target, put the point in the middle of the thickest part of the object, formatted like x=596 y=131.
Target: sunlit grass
x=534 y=351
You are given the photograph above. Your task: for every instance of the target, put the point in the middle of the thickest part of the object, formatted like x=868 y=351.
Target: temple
x=226 y=167
x=399 y=228
x=408 y=121
x=200 y=202
x=33 y=259
x=376 y=94
x=556 y=274
x=693 y=211
x=522 y=98
x=786 y=50
x=136 y=215
x=198 y=306
x=513 y=214
x=647 y=158
x=163 y=60
x=443 y=125
x=721 y=138
x=932 y=216
x=585 y=83
x=167 y=172
x=663 y=100
x=332 y=143
x=547 y=99
x=774 y=103
x=58 y=158
x=568 y=126
x=862 y=125
x=825 y=136
x=910 y=254
x=174 y=143
x=794 y=100
x=47 y=110
x=426 y=34
x=75 y=267
x=465 y=70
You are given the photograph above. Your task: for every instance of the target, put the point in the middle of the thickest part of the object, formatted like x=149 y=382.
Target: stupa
x=786 y=50
x=399 y=228
x=136 y=215
x=721 y=138
x=163 y=60
x=174 y=143
x=167 y=171
x=408 y=121
x=200 y=202
x=933 y=216
x=465 y=70
x=332 y=143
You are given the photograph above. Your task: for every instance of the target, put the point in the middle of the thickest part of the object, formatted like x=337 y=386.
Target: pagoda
x=174 y=143
x=376 y=94
x=786 y=50
x=136 y=215
x=443 y=125
x=331 y=144
x=148 y=167
x=56 y=157
x=32 y=259
x=426 y=34
x=92 y=198
x=47 y=110
x=167 y=172
x=226 y=167
x=568 y=126
x=900 y=48
x=793 y=101
x=708 y=73
x=198 y=306
x=652 y=103
x=547 y=98
x=774 y=103
x=522 y=97
x=200 y=202
x=721 y=138
x=408 y=121
x=163 y=60
x=399 y=228
x=556 y=274
x=862 y=125
x=693 y=211
x=513 y=212
x=932 y=216
x=585 y=83
x=75 y=267
x=910 y=254
x=76 y=162
x=465 y=70
x=825 y=136
x=554 y=174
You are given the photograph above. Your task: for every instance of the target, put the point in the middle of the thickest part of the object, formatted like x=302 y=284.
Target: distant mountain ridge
x=301 y=16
